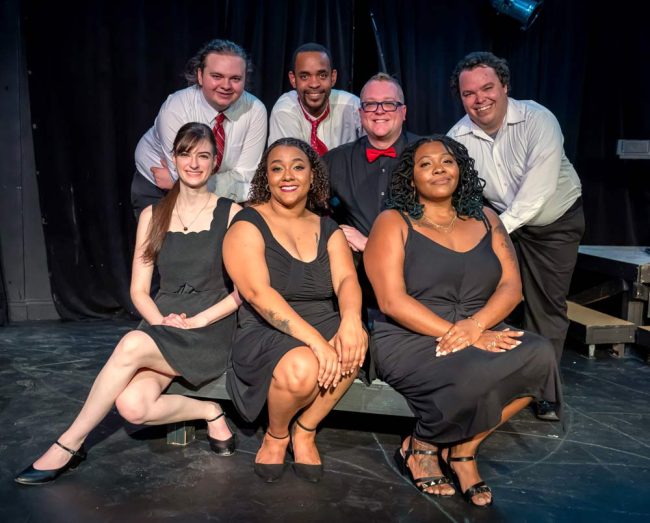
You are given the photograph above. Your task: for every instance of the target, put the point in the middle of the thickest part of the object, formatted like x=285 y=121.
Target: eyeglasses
x=387 y=107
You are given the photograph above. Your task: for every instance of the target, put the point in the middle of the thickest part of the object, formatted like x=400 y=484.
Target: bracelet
x=480 y=325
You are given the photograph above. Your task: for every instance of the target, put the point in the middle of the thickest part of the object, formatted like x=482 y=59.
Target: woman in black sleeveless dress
x=296 y=348
x=186 y=331
x=445 y=274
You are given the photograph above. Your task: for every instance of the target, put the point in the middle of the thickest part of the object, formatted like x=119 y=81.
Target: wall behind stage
x=99 y=73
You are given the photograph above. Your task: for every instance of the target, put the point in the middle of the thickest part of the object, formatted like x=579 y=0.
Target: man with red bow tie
x=315 y=112
x=360 y=171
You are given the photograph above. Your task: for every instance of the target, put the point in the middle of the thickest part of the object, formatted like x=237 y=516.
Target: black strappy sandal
x=478 y=488
x=308 y=472
x=32 y=476
x=222 y=447
x=270 y=472
x=425 y=482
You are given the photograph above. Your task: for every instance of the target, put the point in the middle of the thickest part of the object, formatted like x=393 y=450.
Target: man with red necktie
x=315 y=112
x=215 y=97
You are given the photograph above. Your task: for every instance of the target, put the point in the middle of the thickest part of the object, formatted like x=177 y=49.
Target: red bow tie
x=373 y=154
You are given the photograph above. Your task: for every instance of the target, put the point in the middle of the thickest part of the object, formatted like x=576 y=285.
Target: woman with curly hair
x=295 y=349
x=445 y=274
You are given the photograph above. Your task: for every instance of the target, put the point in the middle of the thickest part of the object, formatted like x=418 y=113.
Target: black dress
x=192 y=279
x=457 y=396
x=258 y=347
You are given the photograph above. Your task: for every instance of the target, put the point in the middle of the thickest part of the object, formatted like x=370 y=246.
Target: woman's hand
x=499 y=341
x=329 y=366
x=196 y=322
x=351 y=344
x=461 y=335
x=175 y=320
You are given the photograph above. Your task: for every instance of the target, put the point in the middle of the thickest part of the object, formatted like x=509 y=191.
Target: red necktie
x=373 y=154
x=220 y=136
x=316 y=142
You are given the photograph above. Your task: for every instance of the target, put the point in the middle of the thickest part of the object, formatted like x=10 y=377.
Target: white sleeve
x=283 y=124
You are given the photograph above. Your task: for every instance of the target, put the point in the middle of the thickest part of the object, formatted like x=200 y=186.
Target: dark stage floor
x=598 y=469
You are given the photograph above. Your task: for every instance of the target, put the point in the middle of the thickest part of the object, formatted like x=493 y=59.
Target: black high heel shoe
x=32 y=476
x=270 y=472
x=222 y=447
x=308 y=472
x=477 y=488
x=425 y=482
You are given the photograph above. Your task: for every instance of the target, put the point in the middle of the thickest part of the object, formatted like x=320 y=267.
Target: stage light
x=524 y=11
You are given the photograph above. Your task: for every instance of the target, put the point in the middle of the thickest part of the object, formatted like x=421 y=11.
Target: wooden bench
x=377 y=398
x=593 y=328
x=643 y=335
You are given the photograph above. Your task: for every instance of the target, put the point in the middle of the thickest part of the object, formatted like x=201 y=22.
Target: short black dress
x=258 y=347
x=457 y=396
x=192 y=279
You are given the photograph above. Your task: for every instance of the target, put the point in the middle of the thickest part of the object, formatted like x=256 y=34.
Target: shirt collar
x=514 y=115
x=232 y=112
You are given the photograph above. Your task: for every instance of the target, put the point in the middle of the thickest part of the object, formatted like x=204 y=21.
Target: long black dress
x=258 y=347
x=192 y=279
x=457 y=396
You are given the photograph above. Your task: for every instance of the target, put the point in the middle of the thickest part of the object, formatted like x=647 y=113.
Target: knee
x=133 y=408
x=300 y=375
x=129 y=351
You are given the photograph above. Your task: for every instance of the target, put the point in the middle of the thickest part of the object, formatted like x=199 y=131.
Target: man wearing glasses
x=360 y=171
x=315 y=112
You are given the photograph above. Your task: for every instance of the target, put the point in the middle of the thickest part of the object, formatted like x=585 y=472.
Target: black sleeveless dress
x=192 y=279
x=258 y=347
x=457 y=396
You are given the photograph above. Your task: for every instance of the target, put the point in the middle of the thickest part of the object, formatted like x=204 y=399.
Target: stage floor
x=597 y=469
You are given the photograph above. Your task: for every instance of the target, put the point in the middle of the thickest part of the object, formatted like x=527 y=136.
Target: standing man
x=215 y=97
x=314 y=112
x=518 y=149
x=360 y=171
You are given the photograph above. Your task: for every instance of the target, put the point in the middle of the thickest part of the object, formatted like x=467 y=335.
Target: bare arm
x=243 y=253
x=384 y=263
x=351 y=339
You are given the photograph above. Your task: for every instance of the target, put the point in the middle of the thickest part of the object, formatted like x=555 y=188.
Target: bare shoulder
x=390 y=218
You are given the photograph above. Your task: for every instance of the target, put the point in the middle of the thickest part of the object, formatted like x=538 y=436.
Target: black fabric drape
x=4 y=305
x=101 y=70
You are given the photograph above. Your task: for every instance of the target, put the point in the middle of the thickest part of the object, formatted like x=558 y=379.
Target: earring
x=266 y=188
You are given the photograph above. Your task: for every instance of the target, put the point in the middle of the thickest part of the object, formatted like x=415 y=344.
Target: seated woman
x=295 y=348
x=445 y=274
x=186 y=331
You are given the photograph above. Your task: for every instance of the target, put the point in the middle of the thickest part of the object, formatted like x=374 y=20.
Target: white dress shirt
x=342 y=125
x=528 y=177
x=244 y=127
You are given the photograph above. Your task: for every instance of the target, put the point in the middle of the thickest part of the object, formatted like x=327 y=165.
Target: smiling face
x=435 y=172
x=289 y=175
x=195 y=165
x=484 y=97
x=313 y=79
x=383 y=128
x=222 y=80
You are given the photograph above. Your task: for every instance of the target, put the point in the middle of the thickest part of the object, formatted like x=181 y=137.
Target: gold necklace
x=447 y=228
x=186 y=227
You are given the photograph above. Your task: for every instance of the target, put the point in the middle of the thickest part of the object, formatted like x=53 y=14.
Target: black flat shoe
x=545 y=410
x=308 y=472
x=32 y=476
x=270 y=472
x=425 y=482
x=477 y=488
x=222 y=447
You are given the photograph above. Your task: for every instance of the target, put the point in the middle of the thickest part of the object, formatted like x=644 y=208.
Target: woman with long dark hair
x=445 y=274
x=300 y=341
x=186 y=330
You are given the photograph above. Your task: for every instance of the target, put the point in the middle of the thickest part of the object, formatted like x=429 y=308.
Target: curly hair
x=480 y=59
x=467 y=199
x=317 y=199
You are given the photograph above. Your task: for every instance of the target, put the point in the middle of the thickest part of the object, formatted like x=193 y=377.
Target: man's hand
x=162 y=175
x=356 y=240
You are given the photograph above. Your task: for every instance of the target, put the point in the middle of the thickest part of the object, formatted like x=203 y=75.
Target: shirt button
x=382 y=194
x=383 y=170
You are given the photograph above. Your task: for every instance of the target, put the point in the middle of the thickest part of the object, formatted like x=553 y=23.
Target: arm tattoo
x=506 y=243
x=278 y=323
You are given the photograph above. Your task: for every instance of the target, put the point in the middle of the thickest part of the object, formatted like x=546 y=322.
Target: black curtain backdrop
x=99 y=73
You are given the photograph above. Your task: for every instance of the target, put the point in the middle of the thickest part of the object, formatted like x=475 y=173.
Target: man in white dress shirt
x=518 y=149
x=215 y=97
x=315 y=112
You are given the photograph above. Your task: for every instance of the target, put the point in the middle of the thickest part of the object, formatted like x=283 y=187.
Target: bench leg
x=180 y=433
x=592 y=351
x=618 y=350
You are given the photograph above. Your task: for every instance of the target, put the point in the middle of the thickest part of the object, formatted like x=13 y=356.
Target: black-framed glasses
x=387 y=107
